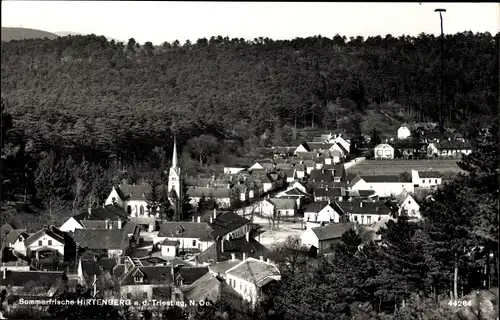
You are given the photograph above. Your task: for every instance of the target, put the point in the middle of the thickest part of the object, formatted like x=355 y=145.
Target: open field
x=269 y=237
x=374 y=167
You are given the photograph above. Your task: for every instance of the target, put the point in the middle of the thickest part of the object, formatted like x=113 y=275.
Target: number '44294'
x=460 y=303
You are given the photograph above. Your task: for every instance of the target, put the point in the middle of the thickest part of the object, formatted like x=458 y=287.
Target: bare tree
x=290 y=254
x=201 y=147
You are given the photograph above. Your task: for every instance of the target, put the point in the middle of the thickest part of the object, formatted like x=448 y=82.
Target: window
x=168 y=249
x=436 y=181
x=241 y=286
x=129 y=295
x=145 y=295
x=141 y=210
x=368 y=219
x=423 y=181
x=409 y=201
x=194 y=243
x=379 y=218
x=355 y=218
x=234 y=284
x=230 y=282
x=129 y=210
x=40 y=242
x=138 y=279
x=50 y=242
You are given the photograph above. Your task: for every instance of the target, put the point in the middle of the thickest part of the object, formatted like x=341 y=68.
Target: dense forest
x=88 y=103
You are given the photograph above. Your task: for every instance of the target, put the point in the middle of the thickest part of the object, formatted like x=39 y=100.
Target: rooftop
x=254 y=270
x=101 y=238
x=332 y=231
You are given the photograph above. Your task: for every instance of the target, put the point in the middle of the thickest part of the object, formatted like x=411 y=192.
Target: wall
x=363 y=218
x=137 y=291
x=114 y=194
x=352 y=163
x=19 y=246
x=135 y=206
x=114 y=253
x=428 y=182
x=70 y=225
x=387 y=189
x=309 y=238
x=247 y=290
x=56 y=245
x=411 y=206
x=186 y=243
x=325 y=246
x=168 y=251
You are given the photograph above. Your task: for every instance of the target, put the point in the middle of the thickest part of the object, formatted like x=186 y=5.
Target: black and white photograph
x=183 y=160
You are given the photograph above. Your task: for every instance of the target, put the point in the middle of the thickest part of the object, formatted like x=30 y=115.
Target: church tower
x=175 y=185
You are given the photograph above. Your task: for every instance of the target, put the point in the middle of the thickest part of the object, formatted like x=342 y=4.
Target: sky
x=168 y=21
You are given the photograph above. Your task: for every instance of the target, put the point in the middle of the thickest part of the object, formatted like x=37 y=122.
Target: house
x=132 y=198
x=323 y=176
x=15 y=240
x=383 y=185
x=426 y=179
x=302 y=148
x=49 y=242
x=221 y=195
x=239 y=248
x=114 y=242
x=362 y=212
x=341 y=140
x=108 y=217
x=449 y=148
x=298 y=185
x=250 y=278
x=362 y=195
x=233 y=170
x=329 y=193
x=148 y=282
x=198 y=236
x=291 y=174
x=403 y=132
x=384 y=151
x=340 y=148
x=279 y=206
x=334 y=158
x=405 y=204
x=325 y=237
x=102 y=269
x=262 y=166
x=321 y=212
x=296 y=194
x=169 y=248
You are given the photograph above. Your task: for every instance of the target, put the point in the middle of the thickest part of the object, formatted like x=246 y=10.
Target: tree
x=201 y=147
x=49 y=183
x=405 y=177
x=131 y=44
x=290 y=255
x=375 y=139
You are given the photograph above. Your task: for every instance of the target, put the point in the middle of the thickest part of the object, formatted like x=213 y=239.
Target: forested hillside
x=88 y=98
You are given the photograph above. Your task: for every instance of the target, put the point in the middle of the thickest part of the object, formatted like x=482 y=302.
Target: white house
x=384 y=151
x=302 y=148
x=361 y=212
x=281 y=207
x=403 y=132
x=340 y=140
x=46 y=240
x=449 y=148
x=169 y=248
x=407 y=204
x=321 y=212
x=293 y=193
x=383 y=185
x=426 y=179
x=250 y=277
x=132 y=198
x=298 y=185
x=325 y=237
x=15 y=240
x=95 y=218
x=233 y=170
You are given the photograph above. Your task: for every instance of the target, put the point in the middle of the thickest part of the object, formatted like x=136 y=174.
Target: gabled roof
x=15 y=234
x=91 y=267
x=429 y=174
x=211 y=288
x=321 y=175
x=253 y=270
x=6 y=228
x=381 y=178
x=283 y=204
x=355 y=180
x=294 y=192
x=314 y=146
x=362 y=207
x=361 y=193
x=150 y=274
x=110 y=212
x=198 y=192
x=201 y=231
x=453 y=145
x=226 y=222
x=99 y=224
x=133 y=192
x=384 y=146
x=329 y=192
x=191 y=274
x=238 y=247
x=400 y=198
x=169 y=243
x=111 y=239
x=332 y=231
x=315 y=206
x=344 y=150
x=51 y=231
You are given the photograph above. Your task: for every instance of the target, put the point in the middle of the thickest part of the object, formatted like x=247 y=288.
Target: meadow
x=397 y=166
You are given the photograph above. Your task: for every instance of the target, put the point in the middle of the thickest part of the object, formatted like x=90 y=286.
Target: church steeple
x=174 y=155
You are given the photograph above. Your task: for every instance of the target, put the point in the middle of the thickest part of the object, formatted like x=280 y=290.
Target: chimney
x=215 y=213
x=4 y=271
x=211 y=220
x=119 y=223
x=326 y=189
x=261 y=258
x=95 y=257
x=361 y=204
x=247 y=235
x=232 y=256
x=192 y=219
x=268 y=260
x=89 y=210
x=322 y=171
x=198 y=219
x=222 y=245
x=244 y=256
x=103 y=205
x=172 y=272
x=106 y=226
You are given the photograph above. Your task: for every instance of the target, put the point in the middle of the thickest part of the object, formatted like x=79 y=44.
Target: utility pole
x=441 y=91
